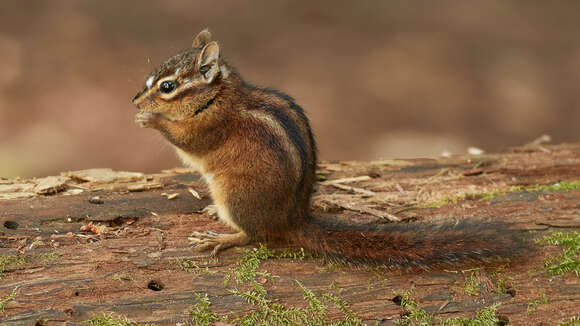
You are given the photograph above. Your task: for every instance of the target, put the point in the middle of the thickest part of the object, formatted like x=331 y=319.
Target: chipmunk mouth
x=203 y=108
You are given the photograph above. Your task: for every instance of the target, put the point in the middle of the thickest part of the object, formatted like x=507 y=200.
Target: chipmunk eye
x=167 y=86
x=204 y=69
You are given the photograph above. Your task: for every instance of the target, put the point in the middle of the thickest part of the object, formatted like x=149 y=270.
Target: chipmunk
x=255 y=149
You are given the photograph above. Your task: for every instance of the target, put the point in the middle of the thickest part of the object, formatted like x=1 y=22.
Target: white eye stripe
x=149 y=82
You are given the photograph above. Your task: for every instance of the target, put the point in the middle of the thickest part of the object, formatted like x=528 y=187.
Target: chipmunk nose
x=134 y=100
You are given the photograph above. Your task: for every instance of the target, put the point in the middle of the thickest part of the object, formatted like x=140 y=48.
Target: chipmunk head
x=187 y=83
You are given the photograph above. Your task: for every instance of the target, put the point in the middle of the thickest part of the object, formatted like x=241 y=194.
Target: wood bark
x=93 y=241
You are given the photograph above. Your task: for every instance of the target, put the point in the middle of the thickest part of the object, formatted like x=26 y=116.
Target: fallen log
x=86 y=242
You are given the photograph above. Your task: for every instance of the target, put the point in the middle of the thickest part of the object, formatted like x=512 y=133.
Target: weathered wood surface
x=146 y=231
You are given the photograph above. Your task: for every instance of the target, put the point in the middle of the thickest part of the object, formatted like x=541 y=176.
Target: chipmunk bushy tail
x=413 y=245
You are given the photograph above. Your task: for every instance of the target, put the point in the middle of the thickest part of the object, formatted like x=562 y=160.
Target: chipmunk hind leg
x=218 y=242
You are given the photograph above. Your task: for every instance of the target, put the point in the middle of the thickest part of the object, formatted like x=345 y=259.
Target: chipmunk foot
x=202 y=241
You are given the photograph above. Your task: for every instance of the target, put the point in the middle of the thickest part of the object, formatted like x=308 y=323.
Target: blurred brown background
x=378 y=78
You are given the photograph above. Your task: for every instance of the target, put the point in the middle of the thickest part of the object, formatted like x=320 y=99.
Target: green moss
x=490 y=195
x=558 y=186
x=418 y=316
x=350 y=317
x=569 y=259
x=533 y=304
x=246 y=268
x=333 y=266
x=296 y=254
x=200 y=313
x=266 y=311
x=248 y=264
x=414 y=315
x=379 y=276
x=472 y=286
x=321 y=177
x=121 y=277
x=486 y=316
x=48 y=258
x=483 y=196
x=17 y=261
x=8 y=298
x=108 y=319
x=269 y=312
x=574 y=321
x=502 y=284
x=9 y=262
x=444 y=201
x=195 y=266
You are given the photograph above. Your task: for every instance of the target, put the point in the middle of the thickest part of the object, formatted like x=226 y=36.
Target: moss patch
x=418 y=316
x=108 y=319
x=533 y=304
x=472 y=286
x=13 y=262
x=483 y=196
x=266 y=311
x=569 y=259
x=8 y=298
x=197 y=267
x=574 y=321
x=201 y=314
x=9 y=262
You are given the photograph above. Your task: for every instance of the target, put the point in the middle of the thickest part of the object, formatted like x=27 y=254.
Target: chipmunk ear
x=207 y=61
x=201 y=39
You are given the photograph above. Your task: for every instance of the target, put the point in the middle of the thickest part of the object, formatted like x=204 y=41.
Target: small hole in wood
x=76 y=293
x=397 y=300
x=11 y=225
x=503 y=320
x=155 y=286
x=511 y=291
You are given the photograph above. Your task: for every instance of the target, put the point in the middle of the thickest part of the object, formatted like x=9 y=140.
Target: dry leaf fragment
x=50 y=185
x=170 y=196
x=144 y=186
x=96 y=200
x=475 y=151
x=93 y=228
x=194 y=193
x=104 y=175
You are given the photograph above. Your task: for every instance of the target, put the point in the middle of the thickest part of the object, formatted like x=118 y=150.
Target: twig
x=363 y=209
x=339 y=183
x=353 y=189
x=348 y=180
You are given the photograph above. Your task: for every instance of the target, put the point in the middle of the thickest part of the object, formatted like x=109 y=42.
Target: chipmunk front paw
x=147 y=119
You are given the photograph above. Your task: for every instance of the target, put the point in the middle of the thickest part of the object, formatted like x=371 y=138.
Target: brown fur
x=255 y=148
x=414 y=245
